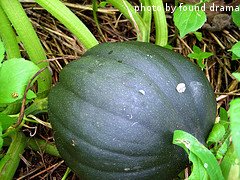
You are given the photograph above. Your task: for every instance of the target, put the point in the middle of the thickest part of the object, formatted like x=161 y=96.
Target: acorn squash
x=115 y=109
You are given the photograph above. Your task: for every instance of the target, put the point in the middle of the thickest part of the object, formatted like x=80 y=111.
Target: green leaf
x=236 y=16
x=236 y=75
x=231 y=164
x=31 y=95
x=199 y=55
x=236 y=49
x=15 y=74
x=198 y=35
x=198 y=170
x=223 y=149
x=209 y=162
x=6 y=121
x=224 y=118
x=168 y=46
x=234 y=113
x=223 y=115
x=235 y=57
x=2 y=51
x=217 y=133
x=1 y=138
x=103 y=4
x=188 y=20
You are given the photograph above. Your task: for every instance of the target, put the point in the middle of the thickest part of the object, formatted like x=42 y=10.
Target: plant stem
x=95 y=8
x=130 y=13
x=8 y=37
x=70 y=20
x=10 y=162
x=160 y=22
x=38 y=106
x=29 y=38
x=36 y=144
x=42 y=145
x=66 y=174
x=147 y=17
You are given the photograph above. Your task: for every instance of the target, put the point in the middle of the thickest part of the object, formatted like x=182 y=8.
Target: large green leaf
x=188 y=20
x=15 y=74
x=231 y=165
x=236 y=16
x=234 y=113
x=236 y=50
x=205 y=156
x=6 y=121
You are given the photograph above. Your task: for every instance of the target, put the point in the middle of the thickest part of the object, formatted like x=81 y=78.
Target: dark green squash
x=114 y=111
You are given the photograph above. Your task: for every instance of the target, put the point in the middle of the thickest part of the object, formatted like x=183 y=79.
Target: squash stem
x=160 y=22
x=8 y=37
x=70 y=20
x=131 y=13
x=9 y=163
x=29 y=38
x=147 y=16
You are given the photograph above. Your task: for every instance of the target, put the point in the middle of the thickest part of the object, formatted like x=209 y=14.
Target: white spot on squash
x=142 y=92
x=127 y=169
x=134 y=123
x=181 y=87
x=73 y=142
x=130 y=116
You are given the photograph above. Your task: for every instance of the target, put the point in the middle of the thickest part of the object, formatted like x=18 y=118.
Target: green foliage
x=2 y=51
x=15 y=74
x=205 y=162
x=198 y=35
x=234 y=113
x=188 y=20
x=1 y=138
x=219 y=137
x=223 y=116
x=28 y=37
x=217 y=133
x=236 y=51
x=221 y=151
x=199 y=55
x=103 y=4
x=235 y=17
x=231 y=165
x=5 y=122
x=236 y=75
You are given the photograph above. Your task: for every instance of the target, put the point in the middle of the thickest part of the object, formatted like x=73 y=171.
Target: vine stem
x=95 y=8
x=130 y=13
x=34 y=144
x=160 y=22
x=9 y=163
x=8 y=37
x=147 y=17
x=70 y=20
x=29 y=38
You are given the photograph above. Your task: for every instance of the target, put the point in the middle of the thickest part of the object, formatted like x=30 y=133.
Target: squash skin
x=114 y=111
